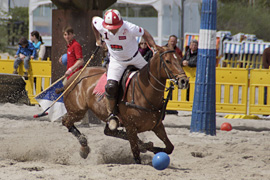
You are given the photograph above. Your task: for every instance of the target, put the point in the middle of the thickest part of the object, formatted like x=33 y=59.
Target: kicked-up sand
x=39 y=149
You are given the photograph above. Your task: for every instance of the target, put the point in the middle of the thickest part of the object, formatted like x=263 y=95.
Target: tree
x=13 y=27
x=239 y=17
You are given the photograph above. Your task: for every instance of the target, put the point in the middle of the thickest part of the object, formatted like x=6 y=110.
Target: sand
x=39 y=149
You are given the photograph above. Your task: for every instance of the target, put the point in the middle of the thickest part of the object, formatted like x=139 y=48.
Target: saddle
x=99 y=90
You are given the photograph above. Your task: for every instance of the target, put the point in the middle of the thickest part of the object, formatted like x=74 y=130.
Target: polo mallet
x=44 y=113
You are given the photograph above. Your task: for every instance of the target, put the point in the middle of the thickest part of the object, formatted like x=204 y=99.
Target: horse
x=142 y=108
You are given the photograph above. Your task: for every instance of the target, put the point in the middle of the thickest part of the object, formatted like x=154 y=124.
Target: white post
x=30 y=23
x=160 y=23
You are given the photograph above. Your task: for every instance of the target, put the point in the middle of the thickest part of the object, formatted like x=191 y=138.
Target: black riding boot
x=112 y=94
x=112 y=119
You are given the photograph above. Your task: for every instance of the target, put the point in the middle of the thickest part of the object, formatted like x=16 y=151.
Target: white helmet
x=112 y=19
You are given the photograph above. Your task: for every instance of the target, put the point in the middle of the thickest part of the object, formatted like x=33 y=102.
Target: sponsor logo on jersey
x=116 y=47
x=122 y=37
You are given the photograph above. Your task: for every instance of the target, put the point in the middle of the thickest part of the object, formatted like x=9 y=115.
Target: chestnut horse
x=141 y=110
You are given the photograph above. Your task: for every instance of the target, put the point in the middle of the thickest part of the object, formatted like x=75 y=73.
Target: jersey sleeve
x=97 y=22
x=135 y=30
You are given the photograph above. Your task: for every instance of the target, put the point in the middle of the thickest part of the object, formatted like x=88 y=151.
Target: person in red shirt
x=172 y=43
x=74 y=53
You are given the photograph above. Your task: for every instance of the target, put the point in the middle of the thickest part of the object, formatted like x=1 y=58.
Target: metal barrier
x=232 y=85
x=39 y=75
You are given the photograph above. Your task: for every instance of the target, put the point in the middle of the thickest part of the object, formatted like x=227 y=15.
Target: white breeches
x=116 y=68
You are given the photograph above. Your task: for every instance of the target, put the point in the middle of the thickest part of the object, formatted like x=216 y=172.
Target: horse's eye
x=167 y=61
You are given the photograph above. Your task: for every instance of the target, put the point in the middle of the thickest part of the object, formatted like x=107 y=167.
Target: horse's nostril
x=183 y=81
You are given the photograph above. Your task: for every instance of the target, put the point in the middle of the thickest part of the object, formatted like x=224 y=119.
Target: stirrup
x=113 y=122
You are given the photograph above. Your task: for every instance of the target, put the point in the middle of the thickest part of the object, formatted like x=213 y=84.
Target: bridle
x=169 y=73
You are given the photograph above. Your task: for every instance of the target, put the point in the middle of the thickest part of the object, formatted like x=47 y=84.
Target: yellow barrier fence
x=39 y=75
x=232 y=85
x=259 y=85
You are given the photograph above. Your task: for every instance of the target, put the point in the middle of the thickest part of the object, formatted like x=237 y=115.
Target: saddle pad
x=100 y=87
x=127 y=83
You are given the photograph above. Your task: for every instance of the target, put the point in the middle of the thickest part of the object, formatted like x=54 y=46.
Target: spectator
x=266 y=64
x=145 y=51
x=172 y=43
x=25 y=53
x=74 y=53
x=38 y=44
x=190 y=57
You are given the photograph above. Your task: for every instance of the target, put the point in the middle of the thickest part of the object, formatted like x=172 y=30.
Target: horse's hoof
x=82 y=139
x=142 y=149
x=84 y=151
x=137 y=160
x=145 y=146
x=113 y=125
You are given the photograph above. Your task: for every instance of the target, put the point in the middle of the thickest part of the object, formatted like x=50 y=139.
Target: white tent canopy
x=33 y=4
x=168 y=23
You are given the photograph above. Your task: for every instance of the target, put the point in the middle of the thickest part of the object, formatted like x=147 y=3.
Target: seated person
x=25 y=52
x=38 y=44
x=190 y=57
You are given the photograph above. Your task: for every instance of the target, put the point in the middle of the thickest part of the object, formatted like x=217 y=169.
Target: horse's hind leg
x=68 y=121
x=162 y=135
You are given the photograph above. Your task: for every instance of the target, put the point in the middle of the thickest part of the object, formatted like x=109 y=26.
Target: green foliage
x=253 y=3
x=236 y=17
x=3 y=39
x=13 y=27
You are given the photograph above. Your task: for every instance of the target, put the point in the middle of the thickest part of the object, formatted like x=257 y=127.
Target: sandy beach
x=39 y=149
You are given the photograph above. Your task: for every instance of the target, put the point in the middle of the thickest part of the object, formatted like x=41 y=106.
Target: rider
x=120 y=38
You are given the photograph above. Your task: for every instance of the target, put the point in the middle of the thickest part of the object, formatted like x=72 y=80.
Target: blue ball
x=64 y=59
x=161 y=161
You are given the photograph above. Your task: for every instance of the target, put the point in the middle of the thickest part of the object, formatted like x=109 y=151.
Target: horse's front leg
x=68 y=121
x=133 y=140
x=162 y=135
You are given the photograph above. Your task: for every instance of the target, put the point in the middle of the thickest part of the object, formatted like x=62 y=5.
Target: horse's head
x=170 y=66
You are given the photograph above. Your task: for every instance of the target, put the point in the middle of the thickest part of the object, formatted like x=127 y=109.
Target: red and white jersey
x=123 y=45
